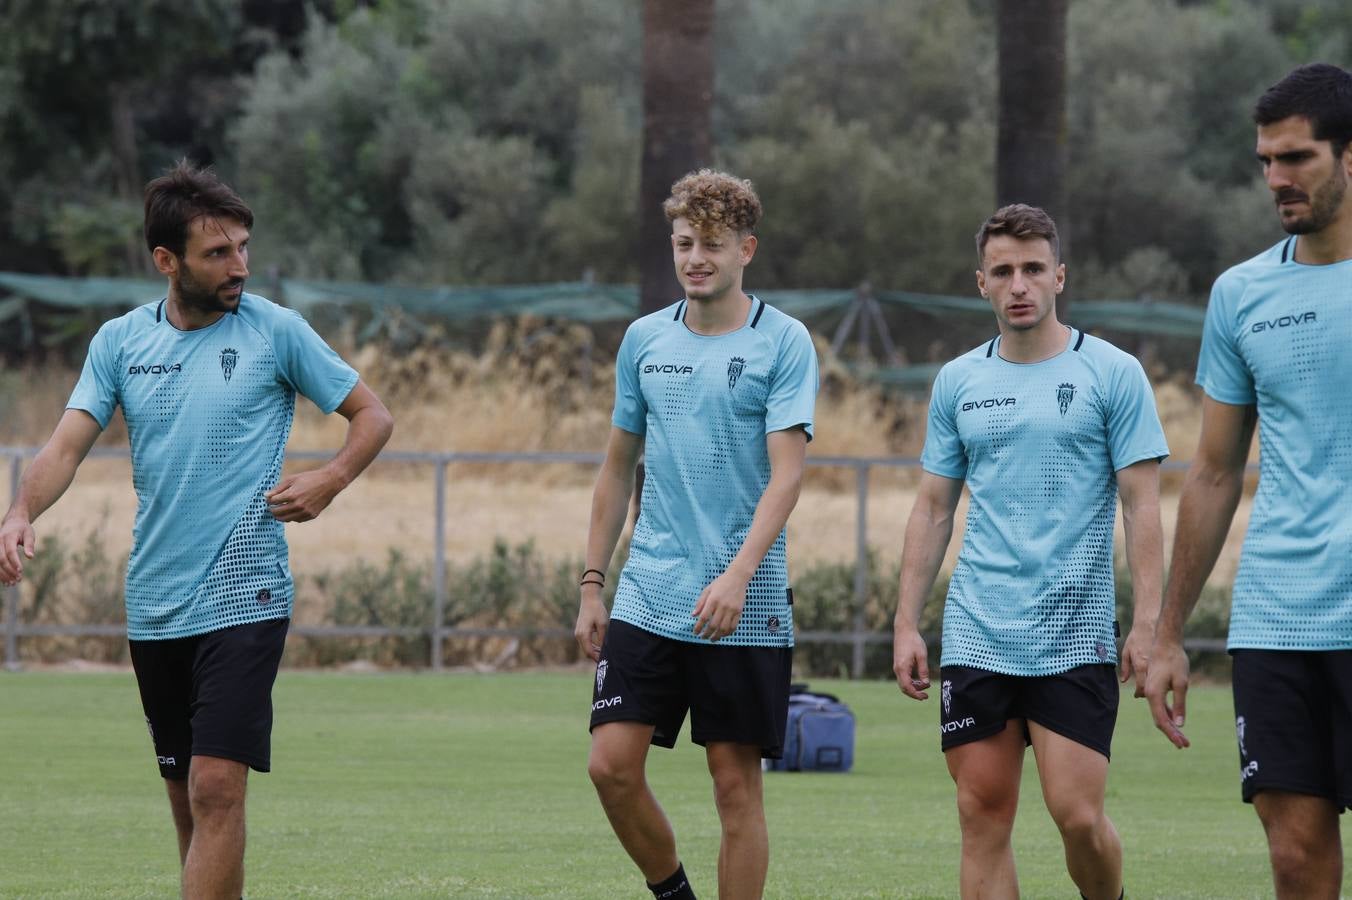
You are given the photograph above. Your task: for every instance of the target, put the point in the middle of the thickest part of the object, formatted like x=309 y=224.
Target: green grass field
x=415 y=785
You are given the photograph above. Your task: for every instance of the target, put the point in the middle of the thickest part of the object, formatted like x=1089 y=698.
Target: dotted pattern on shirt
x=1292 y=327
x=706 y=467
x=1032 y=592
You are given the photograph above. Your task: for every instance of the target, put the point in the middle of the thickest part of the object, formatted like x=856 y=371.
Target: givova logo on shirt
x=667 y=369
x=1282 y=322
x=992 y=403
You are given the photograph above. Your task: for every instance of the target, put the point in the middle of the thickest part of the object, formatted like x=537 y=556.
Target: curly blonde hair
x=712 y=200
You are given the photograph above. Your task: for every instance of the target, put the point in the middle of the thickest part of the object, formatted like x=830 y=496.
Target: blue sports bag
x=820 y=734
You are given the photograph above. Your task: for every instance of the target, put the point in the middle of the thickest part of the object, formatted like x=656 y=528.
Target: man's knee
x=216 y=788
x=614 y=774
x=1078 y=822
x=987 y=806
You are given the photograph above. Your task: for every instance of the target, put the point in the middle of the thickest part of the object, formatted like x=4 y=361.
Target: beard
x=1324 y=204
x=193 y=294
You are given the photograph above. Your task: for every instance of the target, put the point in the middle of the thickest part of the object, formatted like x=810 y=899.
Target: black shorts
x=736 y=694
x=211 y=694
x=1293 y=721
x=1080 y=704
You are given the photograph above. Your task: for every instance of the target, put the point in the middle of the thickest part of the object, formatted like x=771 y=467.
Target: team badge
x=1064 y=394
x=772 y=624
x=601 y=674
x=948 y=697
x=229 y=356
x=736 y=366
x=1239 y=733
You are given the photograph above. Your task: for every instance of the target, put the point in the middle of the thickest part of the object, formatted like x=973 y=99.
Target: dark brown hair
x=1319 y=92
x=1021 y=221
x=183 y=194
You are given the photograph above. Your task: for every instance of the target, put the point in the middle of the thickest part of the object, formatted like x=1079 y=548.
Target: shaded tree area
x=497 y=141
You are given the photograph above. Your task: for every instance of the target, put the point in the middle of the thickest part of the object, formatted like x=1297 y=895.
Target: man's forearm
x=772 y=514
x=43 y=483
x=1205 y=510
x=1145 y=560
x=610 y=506
x=367 y=431
x=928 y=532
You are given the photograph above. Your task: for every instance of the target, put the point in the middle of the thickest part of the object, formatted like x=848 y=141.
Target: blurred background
x=463 y=195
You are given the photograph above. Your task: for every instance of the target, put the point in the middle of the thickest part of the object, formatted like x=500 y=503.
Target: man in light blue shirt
x=1275 y=353
x=207 y=379
x=717 y=392
x=1046 y=426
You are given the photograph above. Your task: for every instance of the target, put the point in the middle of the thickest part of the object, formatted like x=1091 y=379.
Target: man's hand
x=592 y=622
x=301 y=497
x=1136 y=656
x=16 y=538
x=910 y=661
x=1168 y=673
x=719 y=607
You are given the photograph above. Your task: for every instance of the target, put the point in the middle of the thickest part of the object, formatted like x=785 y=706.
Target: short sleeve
x=1221 y=369
x=944 y=453
x=97 y=392
x=308 y=364
x=1134 y=430
x=792 y=398
x=631 y=411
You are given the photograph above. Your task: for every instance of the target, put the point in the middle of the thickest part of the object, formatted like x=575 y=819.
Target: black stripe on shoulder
x=990 y=348
x=1288 y=249
x=760 y=312
x=159 y=310
x=1078 y=341
x=680 y=308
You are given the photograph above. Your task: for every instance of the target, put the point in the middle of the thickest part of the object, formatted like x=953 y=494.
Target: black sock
x=673 y=888
x=1121 y=896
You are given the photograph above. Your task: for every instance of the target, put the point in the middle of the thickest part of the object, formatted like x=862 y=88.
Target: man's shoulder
x=1097 y=350
x=135 y=320
x=654 y=322
x=1236 y=278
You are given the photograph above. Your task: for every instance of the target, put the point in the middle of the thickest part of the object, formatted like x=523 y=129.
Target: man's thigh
x=975 y=704
x=638 y=679
x=739 y=695
x=233 y=675
x=1079 y=704
x=164 y=679
x=1293 y=723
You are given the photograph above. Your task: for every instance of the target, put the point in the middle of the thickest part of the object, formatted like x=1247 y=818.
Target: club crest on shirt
x=1065 y=393
x=601 y=674
x=736 y=366
x=229 y=356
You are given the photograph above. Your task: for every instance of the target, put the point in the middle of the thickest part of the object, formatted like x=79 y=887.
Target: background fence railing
x=858 y=637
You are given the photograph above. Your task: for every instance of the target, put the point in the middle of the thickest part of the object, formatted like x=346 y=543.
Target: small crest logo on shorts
x=601 y=674
x=264 y=597
x=736 y=366
x=1064 y=394
x=948 y=697
x=229 y=356
x=772 y=624
x=1239 y=733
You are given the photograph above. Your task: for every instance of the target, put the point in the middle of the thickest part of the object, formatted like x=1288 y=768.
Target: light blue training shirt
x=1278 y=335
x=1039 y=446
x=208 y=413
x=704 y=405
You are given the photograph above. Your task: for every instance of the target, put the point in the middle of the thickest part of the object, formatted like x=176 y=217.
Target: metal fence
x=858 y=637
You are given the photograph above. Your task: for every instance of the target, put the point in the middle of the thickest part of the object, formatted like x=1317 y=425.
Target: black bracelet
x=591 y=581
x=586 y=572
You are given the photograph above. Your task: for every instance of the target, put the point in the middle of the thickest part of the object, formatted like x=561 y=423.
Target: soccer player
x=207 y=379
x=1275 y=353
x=1047 y=426
x=717 y=393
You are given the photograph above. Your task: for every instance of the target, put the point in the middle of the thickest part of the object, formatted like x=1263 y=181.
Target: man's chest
x=682 y=377
x=230 y=375
x=1016 y=417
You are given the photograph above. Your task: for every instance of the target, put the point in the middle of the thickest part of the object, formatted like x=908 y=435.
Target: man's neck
x=718 y=315
x=1048 y=339
x=1330 y=244
x=184 y=317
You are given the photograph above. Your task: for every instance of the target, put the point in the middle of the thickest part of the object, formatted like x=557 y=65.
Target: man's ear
x=166 y=261
x=981 y=282
x=748 y=248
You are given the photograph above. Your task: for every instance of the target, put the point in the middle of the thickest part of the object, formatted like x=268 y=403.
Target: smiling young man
x=1275 y=354
x=717 y=393
x=1047 y=426
x=207 y=379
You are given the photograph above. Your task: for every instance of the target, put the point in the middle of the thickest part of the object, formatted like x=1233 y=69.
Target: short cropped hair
x=1021 y=221
x=183 y=194
x=712 y=200
x=1319 y=92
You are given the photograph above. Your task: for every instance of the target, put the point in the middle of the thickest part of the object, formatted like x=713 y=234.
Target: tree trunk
x=127 y=170
x=678 y=90
x=1030 y=162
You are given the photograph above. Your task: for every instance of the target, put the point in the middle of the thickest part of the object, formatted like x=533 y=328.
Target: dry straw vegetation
x=515 y=532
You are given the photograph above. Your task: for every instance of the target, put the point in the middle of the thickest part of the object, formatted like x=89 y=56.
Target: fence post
x=12 y=594
x=439 y=576
x=860 y=566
